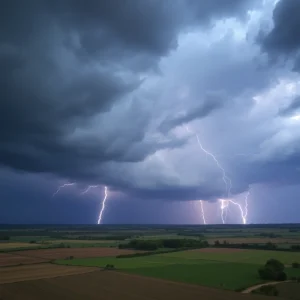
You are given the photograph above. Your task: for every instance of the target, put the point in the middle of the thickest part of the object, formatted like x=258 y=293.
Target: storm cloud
x=283 y=41
x=101 y=92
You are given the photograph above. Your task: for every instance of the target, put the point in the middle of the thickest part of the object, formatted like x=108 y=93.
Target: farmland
x=113 y=285
x=11 y=259
x=289 y=290
x=38 y=271
x=244 y=256
x=51 y=254
x=210 y=260
x=12 y=245
x=221 y=268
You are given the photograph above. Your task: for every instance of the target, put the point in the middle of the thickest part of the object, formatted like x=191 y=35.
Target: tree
x=281 y=276
x=109 y=267
x=275 y=264
x=296 y=265
x=272 y=270
x=266 y=273
x=217 y=243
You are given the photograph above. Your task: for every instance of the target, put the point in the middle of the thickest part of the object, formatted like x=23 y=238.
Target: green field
x=236 y=270
x=247 y=256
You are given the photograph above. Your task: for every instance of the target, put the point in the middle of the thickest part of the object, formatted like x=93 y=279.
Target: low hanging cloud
x=98 y=92
x=283 y=41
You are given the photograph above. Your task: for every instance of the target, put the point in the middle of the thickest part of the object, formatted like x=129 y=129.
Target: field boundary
x=257 y=286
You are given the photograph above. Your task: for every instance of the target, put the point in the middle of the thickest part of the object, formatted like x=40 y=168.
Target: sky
x=172 y=105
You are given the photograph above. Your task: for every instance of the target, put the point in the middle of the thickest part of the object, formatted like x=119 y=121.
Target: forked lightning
x=85 y=192
x=224 y=203
x=63 y=186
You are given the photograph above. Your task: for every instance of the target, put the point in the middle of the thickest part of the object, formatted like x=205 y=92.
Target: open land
x=38 y=271
x=233 y=269
x=12 y=245
x=289 y=290
x=59 y=253
x=11 y=259
x=45 y=255
x=209 y=272
x=113 y=285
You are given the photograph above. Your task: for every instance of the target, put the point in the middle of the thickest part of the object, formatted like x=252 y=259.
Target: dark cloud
x=284 y=39
x=94 y=92
x=211 y=102
x=291 y=108
x=65 y=62
x=83 y=91
x=285 y=36
x=148 y=26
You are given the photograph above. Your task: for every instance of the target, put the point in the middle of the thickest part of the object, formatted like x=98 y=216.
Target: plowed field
x=10 y=259
x=62 y=253
x=113 y=285
x=30 y=272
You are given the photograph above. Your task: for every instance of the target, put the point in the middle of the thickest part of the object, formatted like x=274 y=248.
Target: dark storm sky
x=113 y=92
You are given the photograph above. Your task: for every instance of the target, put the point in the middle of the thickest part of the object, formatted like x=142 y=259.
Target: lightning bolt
x=226 y=179
x=63 y=186
x=103 y=205
x=88 y=189
x=85 y=192
x=224 y=205
x=244 y=212
x=202 y=212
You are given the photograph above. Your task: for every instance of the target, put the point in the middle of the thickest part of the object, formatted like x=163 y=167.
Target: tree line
x=152 y=245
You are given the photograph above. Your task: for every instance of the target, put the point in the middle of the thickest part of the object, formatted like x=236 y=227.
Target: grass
x=202 y=272
x=234 y=271
x=230 y=276
x=247 y=256
x=27 y=239
x=85 y=243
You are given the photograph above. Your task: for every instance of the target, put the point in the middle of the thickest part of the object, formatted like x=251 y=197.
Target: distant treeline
x=268 y=235
x=150 y=253
x=101 y=238
x=151 y=245
x=194 y=234
x=267 y=246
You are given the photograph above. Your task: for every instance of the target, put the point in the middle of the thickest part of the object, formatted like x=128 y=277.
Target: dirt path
x=254 y=287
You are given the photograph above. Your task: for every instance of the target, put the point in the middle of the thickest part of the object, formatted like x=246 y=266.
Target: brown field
x=218 y=250
x=255 y=240
x=62 y=253
x=11 y=245
x=289 y=290
x=110 y=285
x=10 y=259
x=37 y=271
x=81 y=241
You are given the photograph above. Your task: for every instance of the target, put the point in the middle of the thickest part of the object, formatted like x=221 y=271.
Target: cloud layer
x=102 y=92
